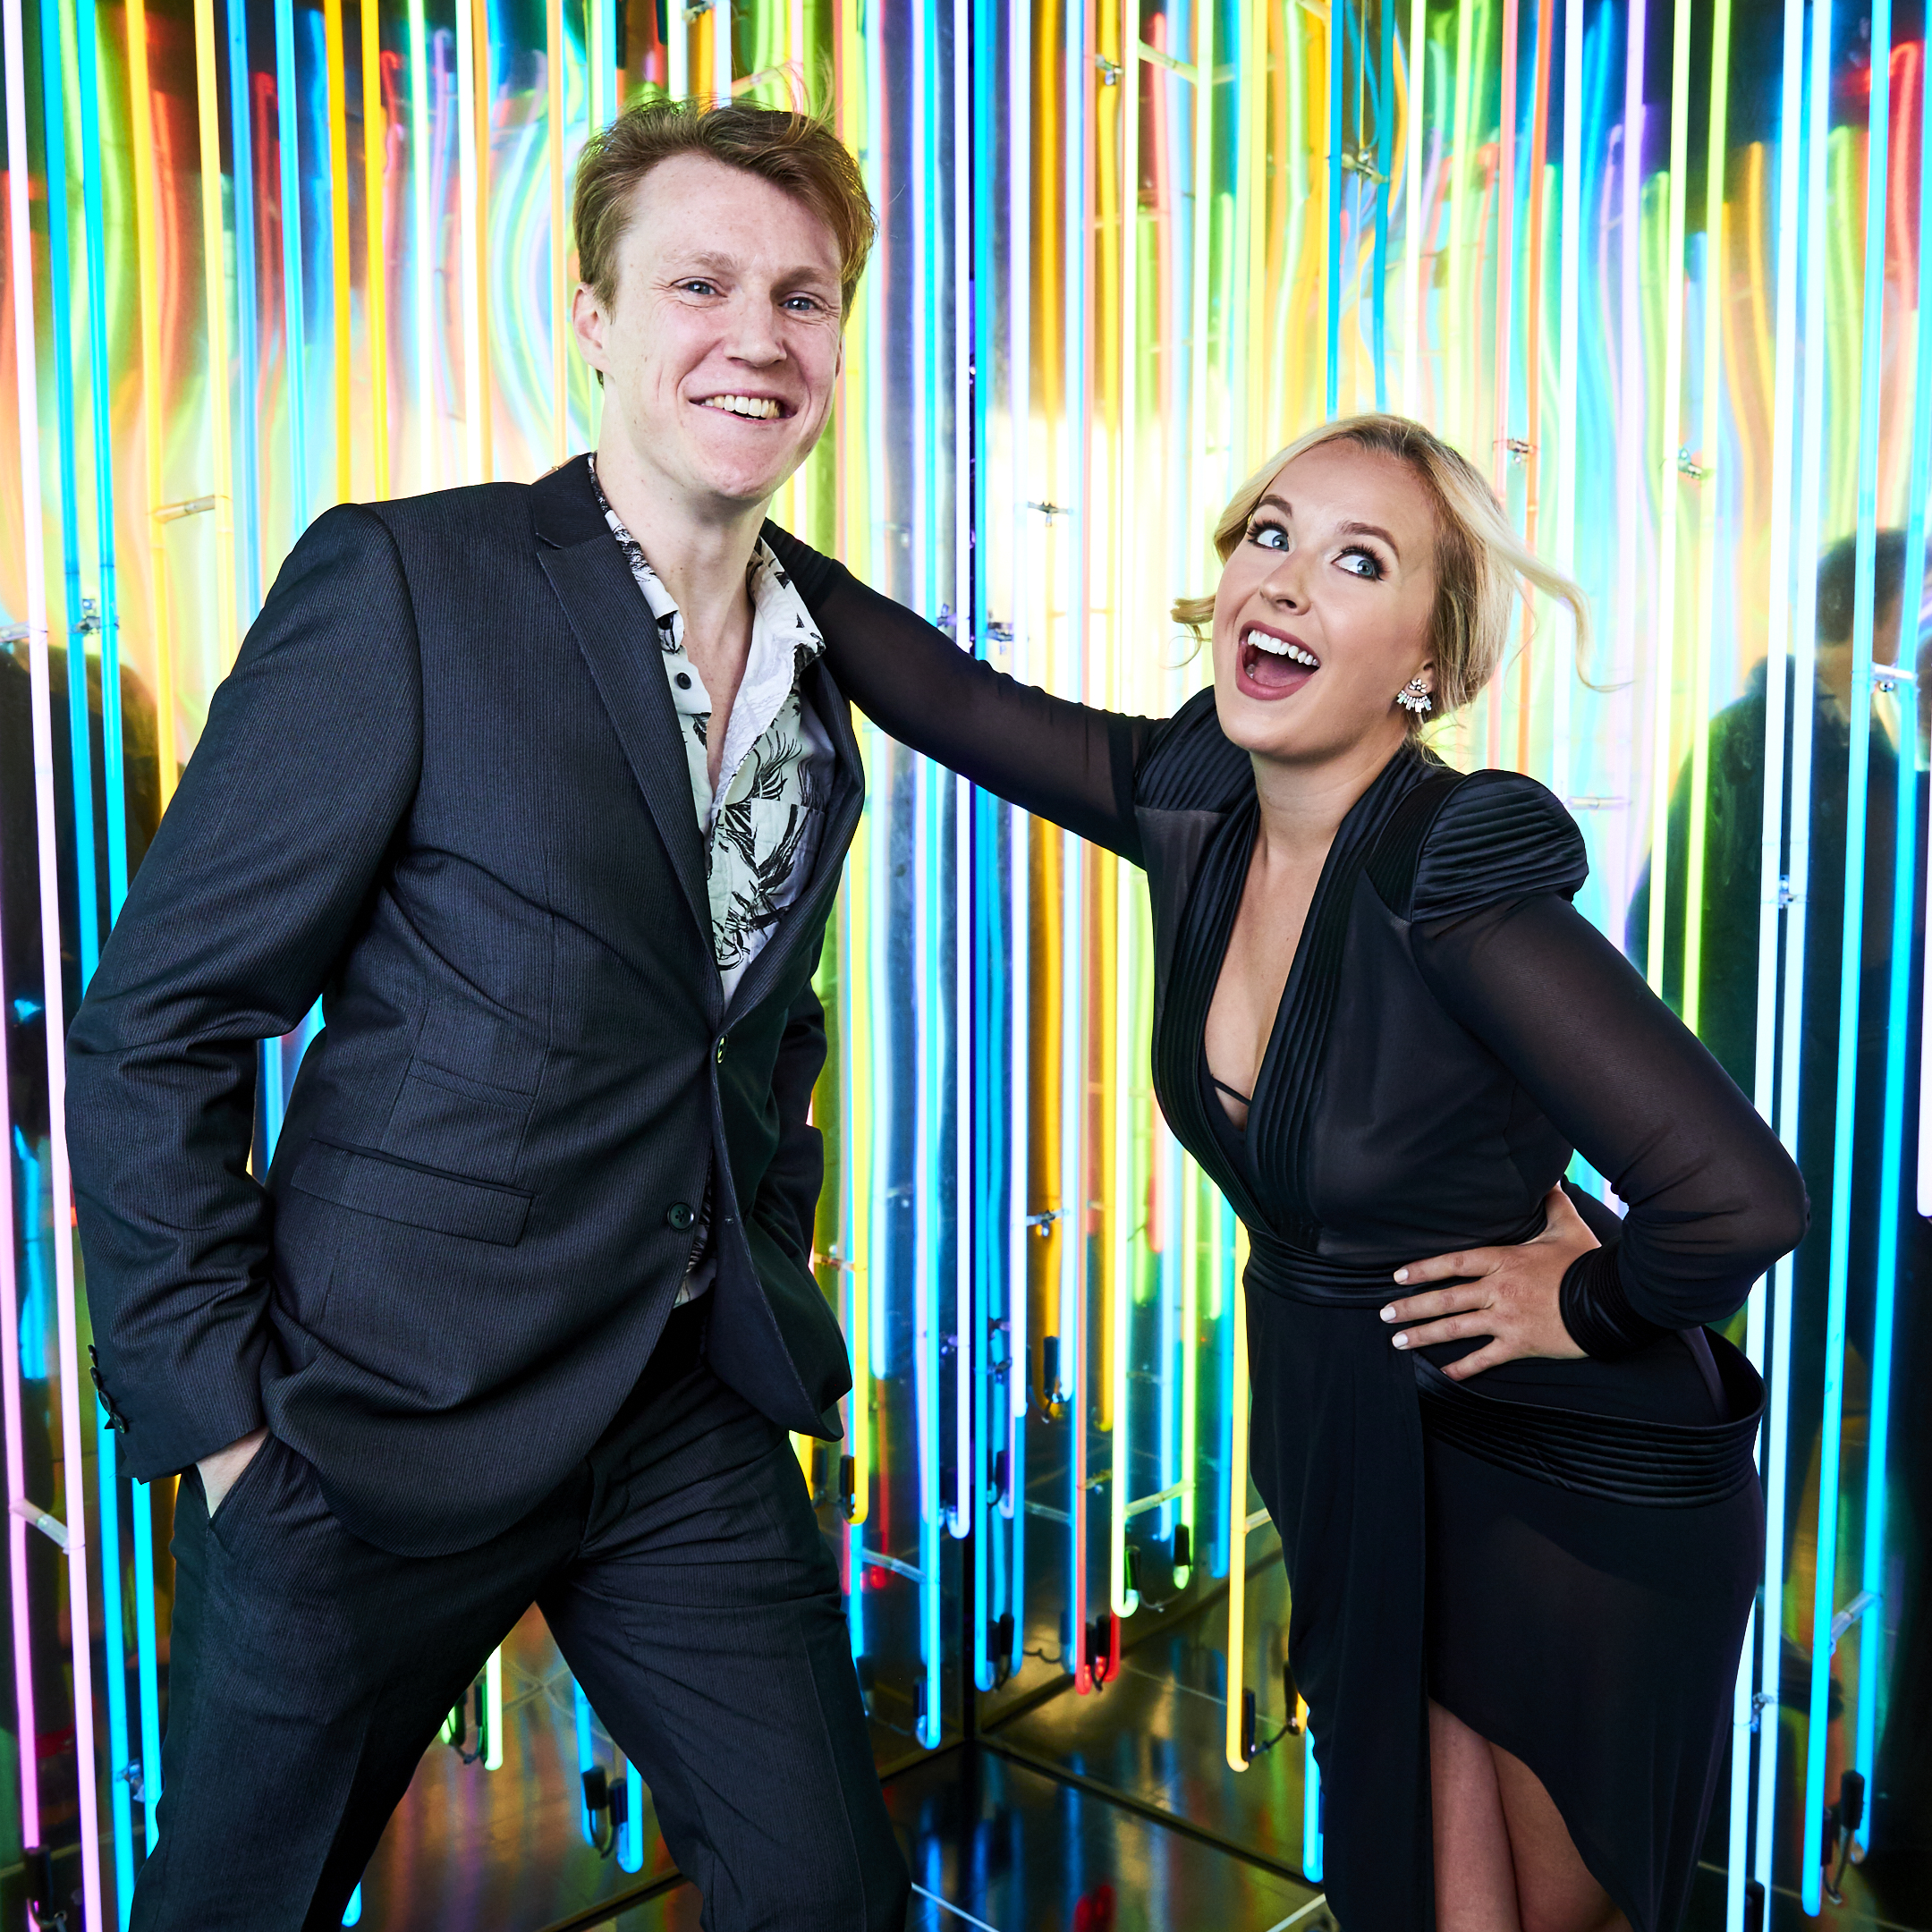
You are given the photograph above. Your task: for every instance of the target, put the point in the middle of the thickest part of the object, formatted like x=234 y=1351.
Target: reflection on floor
x=1110 y=1813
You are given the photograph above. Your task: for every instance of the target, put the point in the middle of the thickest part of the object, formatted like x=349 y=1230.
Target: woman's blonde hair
x=1481 y=564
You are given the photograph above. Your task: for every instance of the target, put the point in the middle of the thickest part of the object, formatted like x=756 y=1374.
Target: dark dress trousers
x=443 y=790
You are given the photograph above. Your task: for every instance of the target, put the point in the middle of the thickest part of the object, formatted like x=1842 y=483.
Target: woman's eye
x=1268 y=536
x=1361 y=564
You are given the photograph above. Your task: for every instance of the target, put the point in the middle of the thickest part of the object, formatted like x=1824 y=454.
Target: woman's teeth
x=1281 y=648
x=761 y=407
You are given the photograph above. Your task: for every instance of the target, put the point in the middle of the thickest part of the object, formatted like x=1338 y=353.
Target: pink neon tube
x=79 y=1606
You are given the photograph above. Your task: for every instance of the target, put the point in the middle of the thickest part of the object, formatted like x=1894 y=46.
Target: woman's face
x=1323 y=610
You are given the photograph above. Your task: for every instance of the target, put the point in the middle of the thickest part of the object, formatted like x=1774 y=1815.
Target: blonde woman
x=1511 y=1473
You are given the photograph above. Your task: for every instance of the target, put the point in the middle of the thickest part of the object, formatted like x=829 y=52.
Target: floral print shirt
x=763 y=825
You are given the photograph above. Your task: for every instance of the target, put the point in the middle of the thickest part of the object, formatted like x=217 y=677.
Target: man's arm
x=797 y=1170
x=240 y=910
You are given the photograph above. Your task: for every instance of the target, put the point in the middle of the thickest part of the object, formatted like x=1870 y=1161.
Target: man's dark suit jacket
x=444 y=790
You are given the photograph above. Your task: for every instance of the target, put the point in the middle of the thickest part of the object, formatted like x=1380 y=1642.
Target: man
x=543 y=791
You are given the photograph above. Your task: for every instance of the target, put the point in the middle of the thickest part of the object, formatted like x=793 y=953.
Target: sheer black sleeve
x=1067 y=762
x=1712 y=1198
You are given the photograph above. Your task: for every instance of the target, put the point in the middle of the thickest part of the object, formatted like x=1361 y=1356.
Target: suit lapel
x=807 y=912
x=614 y=630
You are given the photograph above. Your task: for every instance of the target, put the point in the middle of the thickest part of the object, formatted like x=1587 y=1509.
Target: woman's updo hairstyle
x=1482 y=566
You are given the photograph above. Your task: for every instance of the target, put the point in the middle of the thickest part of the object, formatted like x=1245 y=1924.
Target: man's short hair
x=1837 y=583
x=797 y=152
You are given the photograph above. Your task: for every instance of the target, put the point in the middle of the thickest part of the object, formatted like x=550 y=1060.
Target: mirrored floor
x=1114 y=1812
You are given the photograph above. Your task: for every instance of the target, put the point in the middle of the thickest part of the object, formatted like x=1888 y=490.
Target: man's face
x=720 y=350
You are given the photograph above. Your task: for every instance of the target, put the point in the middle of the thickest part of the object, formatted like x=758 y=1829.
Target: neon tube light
x=1019 y=825
x=27 y=402
x=375 y=219
x=968 y=632
x=336 y=83
x=560 y=292
x=72 y=1400
x=1851 y=957
x=1804 y=630
x=1235 y=1475
x=1670 y=477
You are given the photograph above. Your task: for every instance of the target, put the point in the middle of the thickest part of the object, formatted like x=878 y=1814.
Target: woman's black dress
x=1562 y=1552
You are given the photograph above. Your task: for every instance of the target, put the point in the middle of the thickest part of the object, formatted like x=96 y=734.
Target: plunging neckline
x=1246 y=834
x=1267 y=1154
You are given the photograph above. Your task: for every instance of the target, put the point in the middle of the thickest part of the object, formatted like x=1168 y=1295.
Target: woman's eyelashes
x=1357 y=559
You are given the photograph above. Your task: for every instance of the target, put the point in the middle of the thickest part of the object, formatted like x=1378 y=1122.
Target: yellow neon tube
x=1716 y=282
x=1123 y=978
x=1237 y=1508
x=1663 y=619
x=339 y=306
x=215 y=308
x=375 y=154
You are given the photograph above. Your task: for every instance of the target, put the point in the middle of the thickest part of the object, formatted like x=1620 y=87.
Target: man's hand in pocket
x=219 y=1470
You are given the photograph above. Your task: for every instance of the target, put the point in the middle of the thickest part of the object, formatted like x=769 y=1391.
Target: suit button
x=679 y=1215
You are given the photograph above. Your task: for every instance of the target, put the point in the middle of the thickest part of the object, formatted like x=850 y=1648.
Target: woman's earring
x=1414 y=696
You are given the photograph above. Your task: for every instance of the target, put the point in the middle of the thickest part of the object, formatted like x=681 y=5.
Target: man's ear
x=587 y=325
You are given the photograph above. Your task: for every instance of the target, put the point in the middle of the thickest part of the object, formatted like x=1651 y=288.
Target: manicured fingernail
x=1388 y=1314
x=1402 y=1341
x=1402 y=1274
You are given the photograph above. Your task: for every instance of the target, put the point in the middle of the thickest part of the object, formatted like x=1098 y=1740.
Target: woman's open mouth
x=1268 y=664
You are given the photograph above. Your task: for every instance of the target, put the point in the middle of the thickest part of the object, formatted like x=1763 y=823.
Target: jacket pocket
x=417 y=1197
x=448 y=1121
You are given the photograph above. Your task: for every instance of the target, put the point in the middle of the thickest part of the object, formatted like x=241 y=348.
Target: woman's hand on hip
x=1510 y=1294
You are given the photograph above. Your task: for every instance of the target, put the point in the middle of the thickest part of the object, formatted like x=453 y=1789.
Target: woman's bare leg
x=1553 y=1890
x=1475 y=1875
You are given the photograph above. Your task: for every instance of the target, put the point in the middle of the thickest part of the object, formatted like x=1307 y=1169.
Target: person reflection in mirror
x=1730 y=895
x=1511 y=1473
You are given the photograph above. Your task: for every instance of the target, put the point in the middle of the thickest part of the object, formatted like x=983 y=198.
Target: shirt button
x=721 y=1053
x=683 y=681
x=679 y=1215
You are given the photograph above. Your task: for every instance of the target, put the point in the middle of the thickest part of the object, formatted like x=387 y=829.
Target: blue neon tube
x=1384 y=187
x=248 y=354
x=586 y=1757
x=112 y=747
x=1851 y=960
x=60 y=292
x=1019 y=834
x=1783 y=591
x=630 y=1841
x=1816 y=266
x=1311 y=1831
x=288 y=122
